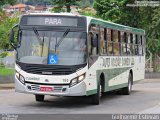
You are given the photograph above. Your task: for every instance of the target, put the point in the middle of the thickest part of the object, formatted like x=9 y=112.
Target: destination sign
x=49 y=21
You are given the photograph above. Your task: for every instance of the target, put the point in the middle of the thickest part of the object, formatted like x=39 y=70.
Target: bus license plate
x=46 y=89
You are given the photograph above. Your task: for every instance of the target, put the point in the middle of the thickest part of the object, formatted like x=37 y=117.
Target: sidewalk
x=152 y=110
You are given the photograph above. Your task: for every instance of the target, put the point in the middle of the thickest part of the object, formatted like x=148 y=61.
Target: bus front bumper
x=58 y=90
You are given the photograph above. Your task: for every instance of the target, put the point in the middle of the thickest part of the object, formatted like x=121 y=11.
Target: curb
x=7 y=86
x=150 y=81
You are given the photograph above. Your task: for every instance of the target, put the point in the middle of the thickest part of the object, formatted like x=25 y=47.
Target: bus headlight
x=17 y=75
x=81 y=77
x=20 y=77
x=77 y=80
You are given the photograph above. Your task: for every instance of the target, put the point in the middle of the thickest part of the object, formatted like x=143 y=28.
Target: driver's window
x=93 y=40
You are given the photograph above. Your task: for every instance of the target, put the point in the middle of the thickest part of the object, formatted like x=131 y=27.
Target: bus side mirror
x=12 y=36
x=12 y=32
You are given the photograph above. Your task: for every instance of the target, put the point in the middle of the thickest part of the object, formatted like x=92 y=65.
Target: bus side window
x=93 y=39
x=89 y=43
x=136 y=45
x=124 y=43
x=102 y=42
x=94 y=44
x=140 y=45
x=129 y=47
x=143 y=44
x=134 y=42
x=131 y=44
x=119 y=43
x=116 y=44
x=105 y=40
x=109 y=40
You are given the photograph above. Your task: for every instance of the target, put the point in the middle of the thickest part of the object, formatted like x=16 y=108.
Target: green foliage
x=5 y=72
x=2 y=65
x=3 y=54
x=117 y=11
x=153 y=34
x=89 y=11
x=157 y=69
x=35 y=2
x=85 y=3
x=6 y=24
x=66 y=3
x=57 y=9
x=3 y=2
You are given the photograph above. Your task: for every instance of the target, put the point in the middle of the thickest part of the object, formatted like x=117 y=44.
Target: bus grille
x=48 y=70
x=37 y=88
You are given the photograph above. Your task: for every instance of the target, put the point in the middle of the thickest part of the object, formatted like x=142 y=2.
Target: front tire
x=127 y=90
x=39 y=98
x=96 y=98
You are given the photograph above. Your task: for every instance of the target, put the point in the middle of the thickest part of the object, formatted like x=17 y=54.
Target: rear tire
x=96 y=97
x=39 y=98
x=127 y=90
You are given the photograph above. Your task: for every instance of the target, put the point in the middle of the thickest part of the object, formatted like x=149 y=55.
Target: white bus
x=71 y=55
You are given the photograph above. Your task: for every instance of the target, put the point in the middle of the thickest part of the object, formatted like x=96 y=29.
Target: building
x=23 y=8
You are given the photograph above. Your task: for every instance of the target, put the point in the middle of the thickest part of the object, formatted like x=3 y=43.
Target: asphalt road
x=145 y=98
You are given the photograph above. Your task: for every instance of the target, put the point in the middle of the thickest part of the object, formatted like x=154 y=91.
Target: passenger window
x=116 y=43
x=124 y=43
x=129 y=44
x=140 y=45
x=110 y=41
x=102 y=42
x=136 y=45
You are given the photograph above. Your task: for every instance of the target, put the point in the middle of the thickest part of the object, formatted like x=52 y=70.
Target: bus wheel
x=127 y=90
x=96 y=97
x=39 y=98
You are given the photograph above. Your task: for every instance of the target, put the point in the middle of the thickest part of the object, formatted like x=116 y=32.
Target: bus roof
x=50 y=13
x=115 y=25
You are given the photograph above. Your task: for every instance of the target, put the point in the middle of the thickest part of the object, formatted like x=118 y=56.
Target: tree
x=85 y=3
x=3 y=2
x=117 y=11
x=67 y=3
x=154 y=33
x=35 y=2
x=6 y=25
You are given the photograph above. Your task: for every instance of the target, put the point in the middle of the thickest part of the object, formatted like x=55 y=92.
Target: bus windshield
x=36 y=47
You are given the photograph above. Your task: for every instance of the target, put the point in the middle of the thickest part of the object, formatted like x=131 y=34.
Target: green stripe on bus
x=91 y=92
x=137 y=81
x=110 y=74
x=110 y=88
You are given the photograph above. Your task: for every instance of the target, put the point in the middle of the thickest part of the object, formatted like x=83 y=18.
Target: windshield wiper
x=37 y=34
x=60 y=41
x=39 y=39
x=42 y=44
